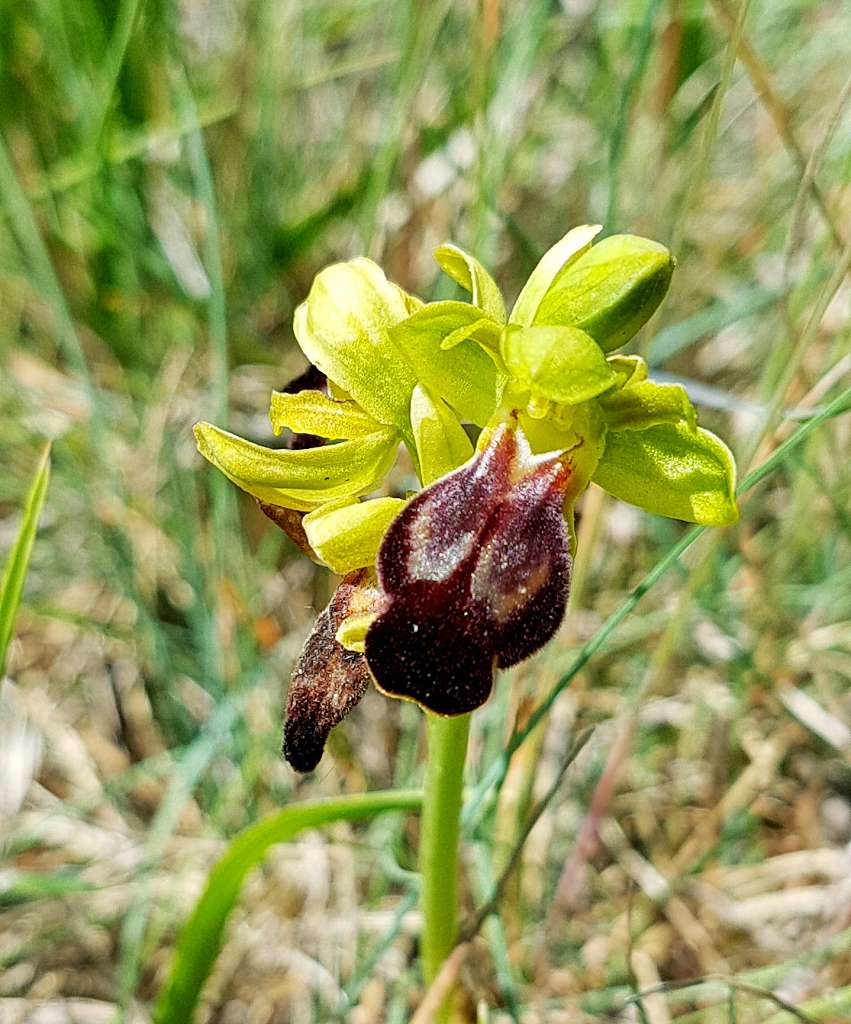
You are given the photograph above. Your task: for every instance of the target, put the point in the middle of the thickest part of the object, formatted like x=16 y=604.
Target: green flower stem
x=447 y=750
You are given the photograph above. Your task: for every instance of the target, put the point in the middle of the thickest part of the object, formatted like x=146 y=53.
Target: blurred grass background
x=172 y=175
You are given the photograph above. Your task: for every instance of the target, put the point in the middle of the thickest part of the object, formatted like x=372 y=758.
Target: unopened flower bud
x=611 y=291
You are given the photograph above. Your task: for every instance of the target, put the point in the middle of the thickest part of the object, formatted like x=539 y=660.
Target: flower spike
x=472 y=573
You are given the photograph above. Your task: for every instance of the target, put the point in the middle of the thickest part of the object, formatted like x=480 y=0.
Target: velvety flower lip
x=476 y=573
x=328 y=681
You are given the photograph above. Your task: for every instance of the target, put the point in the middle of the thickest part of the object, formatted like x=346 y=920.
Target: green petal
x=347 y=536
x=312 y=412
x=629 y=369
x=464 y=376
x=562 y=255
x=646 y=403
x=471 y=275
x=412 y=302
x=299 y=479
x=611 y=291
x=343 y=329
x=673 y=471
x=484 y=330
x=442 y=443
x=563 y=364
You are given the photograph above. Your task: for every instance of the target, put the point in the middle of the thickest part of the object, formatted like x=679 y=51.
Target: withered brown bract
x=288 y=520
x=328 y=681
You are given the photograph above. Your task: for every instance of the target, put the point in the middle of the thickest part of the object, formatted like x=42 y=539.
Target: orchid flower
x=473 y=572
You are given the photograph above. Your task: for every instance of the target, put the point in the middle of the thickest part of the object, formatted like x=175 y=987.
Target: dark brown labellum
x=328 y=680
x=476 y=571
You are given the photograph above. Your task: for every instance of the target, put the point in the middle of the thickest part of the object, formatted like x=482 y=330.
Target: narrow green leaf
x=201 y=937
x=672 y=470
x=557 y=259
x=708 y=322
x=300 y=479
x=472 y=276
x=19 y=887
x=15 y=570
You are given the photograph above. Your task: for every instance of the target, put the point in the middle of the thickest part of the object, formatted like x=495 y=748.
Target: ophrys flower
x=473 y=572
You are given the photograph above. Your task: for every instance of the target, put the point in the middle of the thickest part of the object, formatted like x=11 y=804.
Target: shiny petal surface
x=563 y=364
x=672 y=470
x=442 y=443
x=645 y=403
x=611 y=291
x=347 y=535
x=328 y=680
x=464 y=375
x=476 y=573
x=557 y=259
x=343 y=328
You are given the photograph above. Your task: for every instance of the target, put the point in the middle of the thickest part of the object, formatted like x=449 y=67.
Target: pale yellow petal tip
x=204 y=434
x=352 y=632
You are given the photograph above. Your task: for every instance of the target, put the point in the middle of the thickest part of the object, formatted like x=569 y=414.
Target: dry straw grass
x=153 y=243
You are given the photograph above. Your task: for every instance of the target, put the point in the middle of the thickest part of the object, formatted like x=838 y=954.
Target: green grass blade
x=20 y=887
x=15 y=571
x=674 y=339
x=201 y=939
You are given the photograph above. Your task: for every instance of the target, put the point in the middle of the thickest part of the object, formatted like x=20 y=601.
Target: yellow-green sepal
x=645 y=403
x=343 y=327
x=313 y=412
x=562 y=364
x=465 y=376
x=611 y=291
x=466 y=270
x=557 y=259
x=346 y=535
x=300 y=479
x=673 y=470
x=441 y=442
